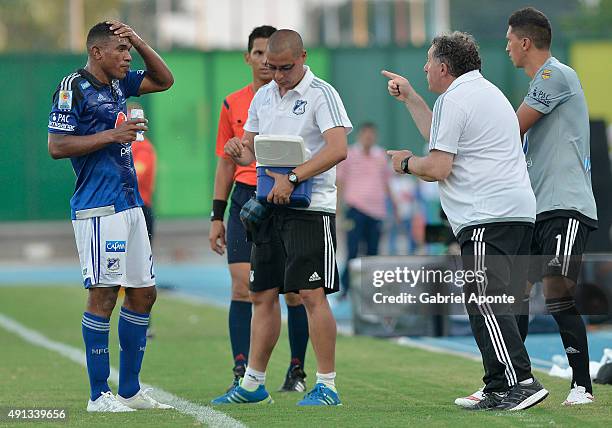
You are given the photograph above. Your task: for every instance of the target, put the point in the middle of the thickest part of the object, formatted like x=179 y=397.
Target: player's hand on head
x=216 y=237
x=127 y=131
x=123 y=30
x=398 y=86
x=397 y=156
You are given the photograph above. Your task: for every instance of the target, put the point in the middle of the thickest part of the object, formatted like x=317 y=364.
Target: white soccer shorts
x=115 y=250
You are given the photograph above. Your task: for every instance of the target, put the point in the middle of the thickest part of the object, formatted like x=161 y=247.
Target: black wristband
x=218 y=209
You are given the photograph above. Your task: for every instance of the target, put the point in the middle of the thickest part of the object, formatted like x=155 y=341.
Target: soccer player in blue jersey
x=88 y=124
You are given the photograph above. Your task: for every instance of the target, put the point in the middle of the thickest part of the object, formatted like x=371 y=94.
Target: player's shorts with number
x=115 y=250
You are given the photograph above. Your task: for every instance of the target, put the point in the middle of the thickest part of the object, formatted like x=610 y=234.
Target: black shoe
x=294 y=381
x=490 y=401
x=522 y=397
x=238 y=374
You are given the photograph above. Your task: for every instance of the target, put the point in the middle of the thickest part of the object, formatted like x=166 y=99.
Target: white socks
x=252 y=379
x=526 y=381
x=327 y=379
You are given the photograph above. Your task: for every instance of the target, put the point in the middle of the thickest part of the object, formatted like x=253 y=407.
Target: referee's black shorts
x=295 y=250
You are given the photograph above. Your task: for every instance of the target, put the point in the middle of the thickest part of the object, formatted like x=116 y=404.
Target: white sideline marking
x=202 y=414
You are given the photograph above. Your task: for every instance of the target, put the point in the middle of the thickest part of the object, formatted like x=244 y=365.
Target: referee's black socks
x=573 y=335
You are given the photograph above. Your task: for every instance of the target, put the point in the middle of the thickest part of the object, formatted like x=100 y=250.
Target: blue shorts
x=238 y=248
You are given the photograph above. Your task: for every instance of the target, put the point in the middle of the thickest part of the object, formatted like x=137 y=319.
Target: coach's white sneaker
x=578 y=395
x=107 y=402
x=142 y=400
x=470 y=400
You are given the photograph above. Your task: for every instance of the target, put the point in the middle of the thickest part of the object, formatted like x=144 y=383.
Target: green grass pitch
x=380 y=383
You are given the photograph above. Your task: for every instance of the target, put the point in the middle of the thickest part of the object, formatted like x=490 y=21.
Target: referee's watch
x=404 y=165
x=293 y=178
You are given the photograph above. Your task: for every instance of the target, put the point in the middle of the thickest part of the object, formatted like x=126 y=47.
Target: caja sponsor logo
x=115 y=246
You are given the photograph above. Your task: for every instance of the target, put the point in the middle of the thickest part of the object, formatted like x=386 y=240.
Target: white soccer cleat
x=578 y=395
x=470 y=400
x=107 y=402
x=142 y=401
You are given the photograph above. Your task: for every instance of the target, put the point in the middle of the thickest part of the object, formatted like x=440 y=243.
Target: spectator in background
x=145 y=163
x=402 y=195
x=428 y=195
x=363 y=185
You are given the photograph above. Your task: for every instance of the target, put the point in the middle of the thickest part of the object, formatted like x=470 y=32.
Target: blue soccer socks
x=95 y=335
x=133 y=342
x=240 y=330
x=297 y=323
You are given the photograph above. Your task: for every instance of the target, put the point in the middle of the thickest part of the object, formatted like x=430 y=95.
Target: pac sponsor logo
x=540 y=96
x=61 y=122
x=112 y=264
x=115 y=246
x=58 y=117
x=126 y=149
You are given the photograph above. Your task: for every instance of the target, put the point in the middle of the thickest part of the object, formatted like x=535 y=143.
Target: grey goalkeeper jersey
x=557 y=147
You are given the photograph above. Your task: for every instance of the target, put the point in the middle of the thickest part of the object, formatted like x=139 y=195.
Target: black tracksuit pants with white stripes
x=499 y=251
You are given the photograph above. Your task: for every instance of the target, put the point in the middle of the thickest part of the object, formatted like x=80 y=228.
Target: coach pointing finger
x=400 y=88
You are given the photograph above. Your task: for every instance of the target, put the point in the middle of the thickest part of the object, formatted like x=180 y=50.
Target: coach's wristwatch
x=293 y=178
x=404 y=165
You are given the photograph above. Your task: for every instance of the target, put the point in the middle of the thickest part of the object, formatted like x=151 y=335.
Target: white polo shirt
x=307 y=110
x=488 y=181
